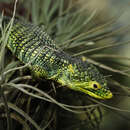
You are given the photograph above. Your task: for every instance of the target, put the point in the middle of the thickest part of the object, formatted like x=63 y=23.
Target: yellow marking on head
x=84 y=58
x=91 y=93
x=71 y=69
x=95 y=95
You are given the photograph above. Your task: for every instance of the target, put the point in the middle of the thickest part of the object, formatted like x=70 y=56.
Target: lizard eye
x=96 y=86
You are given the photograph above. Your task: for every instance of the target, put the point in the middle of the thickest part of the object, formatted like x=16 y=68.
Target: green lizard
x=31 y=44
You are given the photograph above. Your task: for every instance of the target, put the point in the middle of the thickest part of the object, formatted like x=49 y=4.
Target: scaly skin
x=31 y=44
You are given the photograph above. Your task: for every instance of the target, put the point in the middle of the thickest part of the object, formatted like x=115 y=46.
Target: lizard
x=31 y=44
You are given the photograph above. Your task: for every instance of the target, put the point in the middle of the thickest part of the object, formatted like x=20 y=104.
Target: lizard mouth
x=95 y=95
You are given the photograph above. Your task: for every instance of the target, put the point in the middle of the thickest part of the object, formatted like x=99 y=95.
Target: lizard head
x=85 y=77
x=93 y=89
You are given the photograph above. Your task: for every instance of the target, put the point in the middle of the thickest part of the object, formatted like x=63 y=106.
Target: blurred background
x=96 y=29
